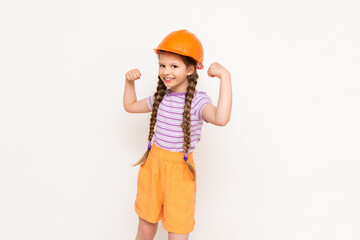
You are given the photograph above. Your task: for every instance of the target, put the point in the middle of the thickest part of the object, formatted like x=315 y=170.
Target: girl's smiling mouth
x=167 y=80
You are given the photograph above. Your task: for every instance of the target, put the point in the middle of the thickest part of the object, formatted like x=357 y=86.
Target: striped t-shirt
x=168 y=133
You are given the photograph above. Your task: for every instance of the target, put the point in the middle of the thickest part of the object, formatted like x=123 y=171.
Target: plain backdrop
x=286 y=166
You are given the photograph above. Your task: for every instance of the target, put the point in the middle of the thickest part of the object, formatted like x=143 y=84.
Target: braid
x=158 y=97
x=186 y=124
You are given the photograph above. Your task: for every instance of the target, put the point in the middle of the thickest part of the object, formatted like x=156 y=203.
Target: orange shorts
x=166 y=190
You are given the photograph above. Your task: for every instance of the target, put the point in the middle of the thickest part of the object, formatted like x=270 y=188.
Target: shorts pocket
x=186 y=174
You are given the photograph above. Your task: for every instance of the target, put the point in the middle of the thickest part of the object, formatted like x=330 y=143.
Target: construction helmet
x=185 y=43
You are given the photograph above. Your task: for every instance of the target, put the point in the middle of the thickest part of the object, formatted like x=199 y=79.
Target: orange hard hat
x=185 y=43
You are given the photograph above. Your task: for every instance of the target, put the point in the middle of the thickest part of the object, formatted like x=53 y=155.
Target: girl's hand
x=133 y=75
x=217 y=70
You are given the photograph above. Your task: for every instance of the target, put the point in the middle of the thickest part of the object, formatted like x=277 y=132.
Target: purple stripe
x=177 y=93
x=166 y=123
x=196 y=95
x=195 y=101
x=179 y=96
x=197 y=129
x=168 y=100
x=178 y=124
x=193 y=105
x=175 y=112
x=149 y=103
x=168 y=139
x=174 y=136
x=200 y=109
x=184 y=94
x=168 y=117
x=171 y=108
x=177 y=136
x=162 y=103
x=177 y=119
x=174 y=141
x=193 y=117
x=158 y=132
x=167 y=129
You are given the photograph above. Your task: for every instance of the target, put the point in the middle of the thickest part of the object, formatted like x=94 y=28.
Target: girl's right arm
x=130 y=102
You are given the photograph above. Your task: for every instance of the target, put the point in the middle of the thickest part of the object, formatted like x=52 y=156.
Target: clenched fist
x=133 y=75
x=217 y=70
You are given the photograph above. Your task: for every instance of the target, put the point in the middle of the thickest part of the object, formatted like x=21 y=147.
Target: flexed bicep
x=209 y=114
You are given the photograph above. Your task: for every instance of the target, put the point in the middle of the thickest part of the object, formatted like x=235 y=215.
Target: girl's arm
x=130 y=102
x=220 y=115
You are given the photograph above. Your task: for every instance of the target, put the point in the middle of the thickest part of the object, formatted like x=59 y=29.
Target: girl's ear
x=191 y=69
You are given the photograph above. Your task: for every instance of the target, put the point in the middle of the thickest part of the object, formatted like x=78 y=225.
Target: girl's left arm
x=220 y=115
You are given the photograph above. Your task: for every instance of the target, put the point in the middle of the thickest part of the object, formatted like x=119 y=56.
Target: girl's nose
x=166 y=71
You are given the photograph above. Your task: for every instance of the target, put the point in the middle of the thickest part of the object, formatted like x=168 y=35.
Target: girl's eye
x=172 y=65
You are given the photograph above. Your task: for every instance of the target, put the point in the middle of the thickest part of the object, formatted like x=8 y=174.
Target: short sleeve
x=201 y=100
x=150 y=101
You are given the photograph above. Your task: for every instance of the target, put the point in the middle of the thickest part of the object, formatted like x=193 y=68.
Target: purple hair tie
x=186 y=157
x=149 y=146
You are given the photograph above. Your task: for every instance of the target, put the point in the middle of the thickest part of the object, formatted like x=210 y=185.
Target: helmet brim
x=199 y=65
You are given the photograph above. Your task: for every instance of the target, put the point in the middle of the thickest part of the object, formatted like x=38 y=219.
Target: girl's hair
x=186 y=123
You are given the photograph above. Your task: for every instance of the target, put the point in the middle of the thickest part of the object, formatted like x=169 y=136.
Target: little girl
x=166 y=184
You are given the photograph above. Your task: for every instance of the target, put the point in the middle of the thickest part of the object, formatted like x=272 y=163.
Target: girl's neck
x=176 y=93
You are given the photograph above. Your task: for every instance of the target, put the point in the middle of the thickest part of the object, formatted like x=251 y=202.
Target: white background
x=286 y=167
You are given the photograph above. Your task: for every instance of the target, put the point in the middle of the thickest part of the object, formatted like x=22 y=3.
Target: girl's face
x=172 y=67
